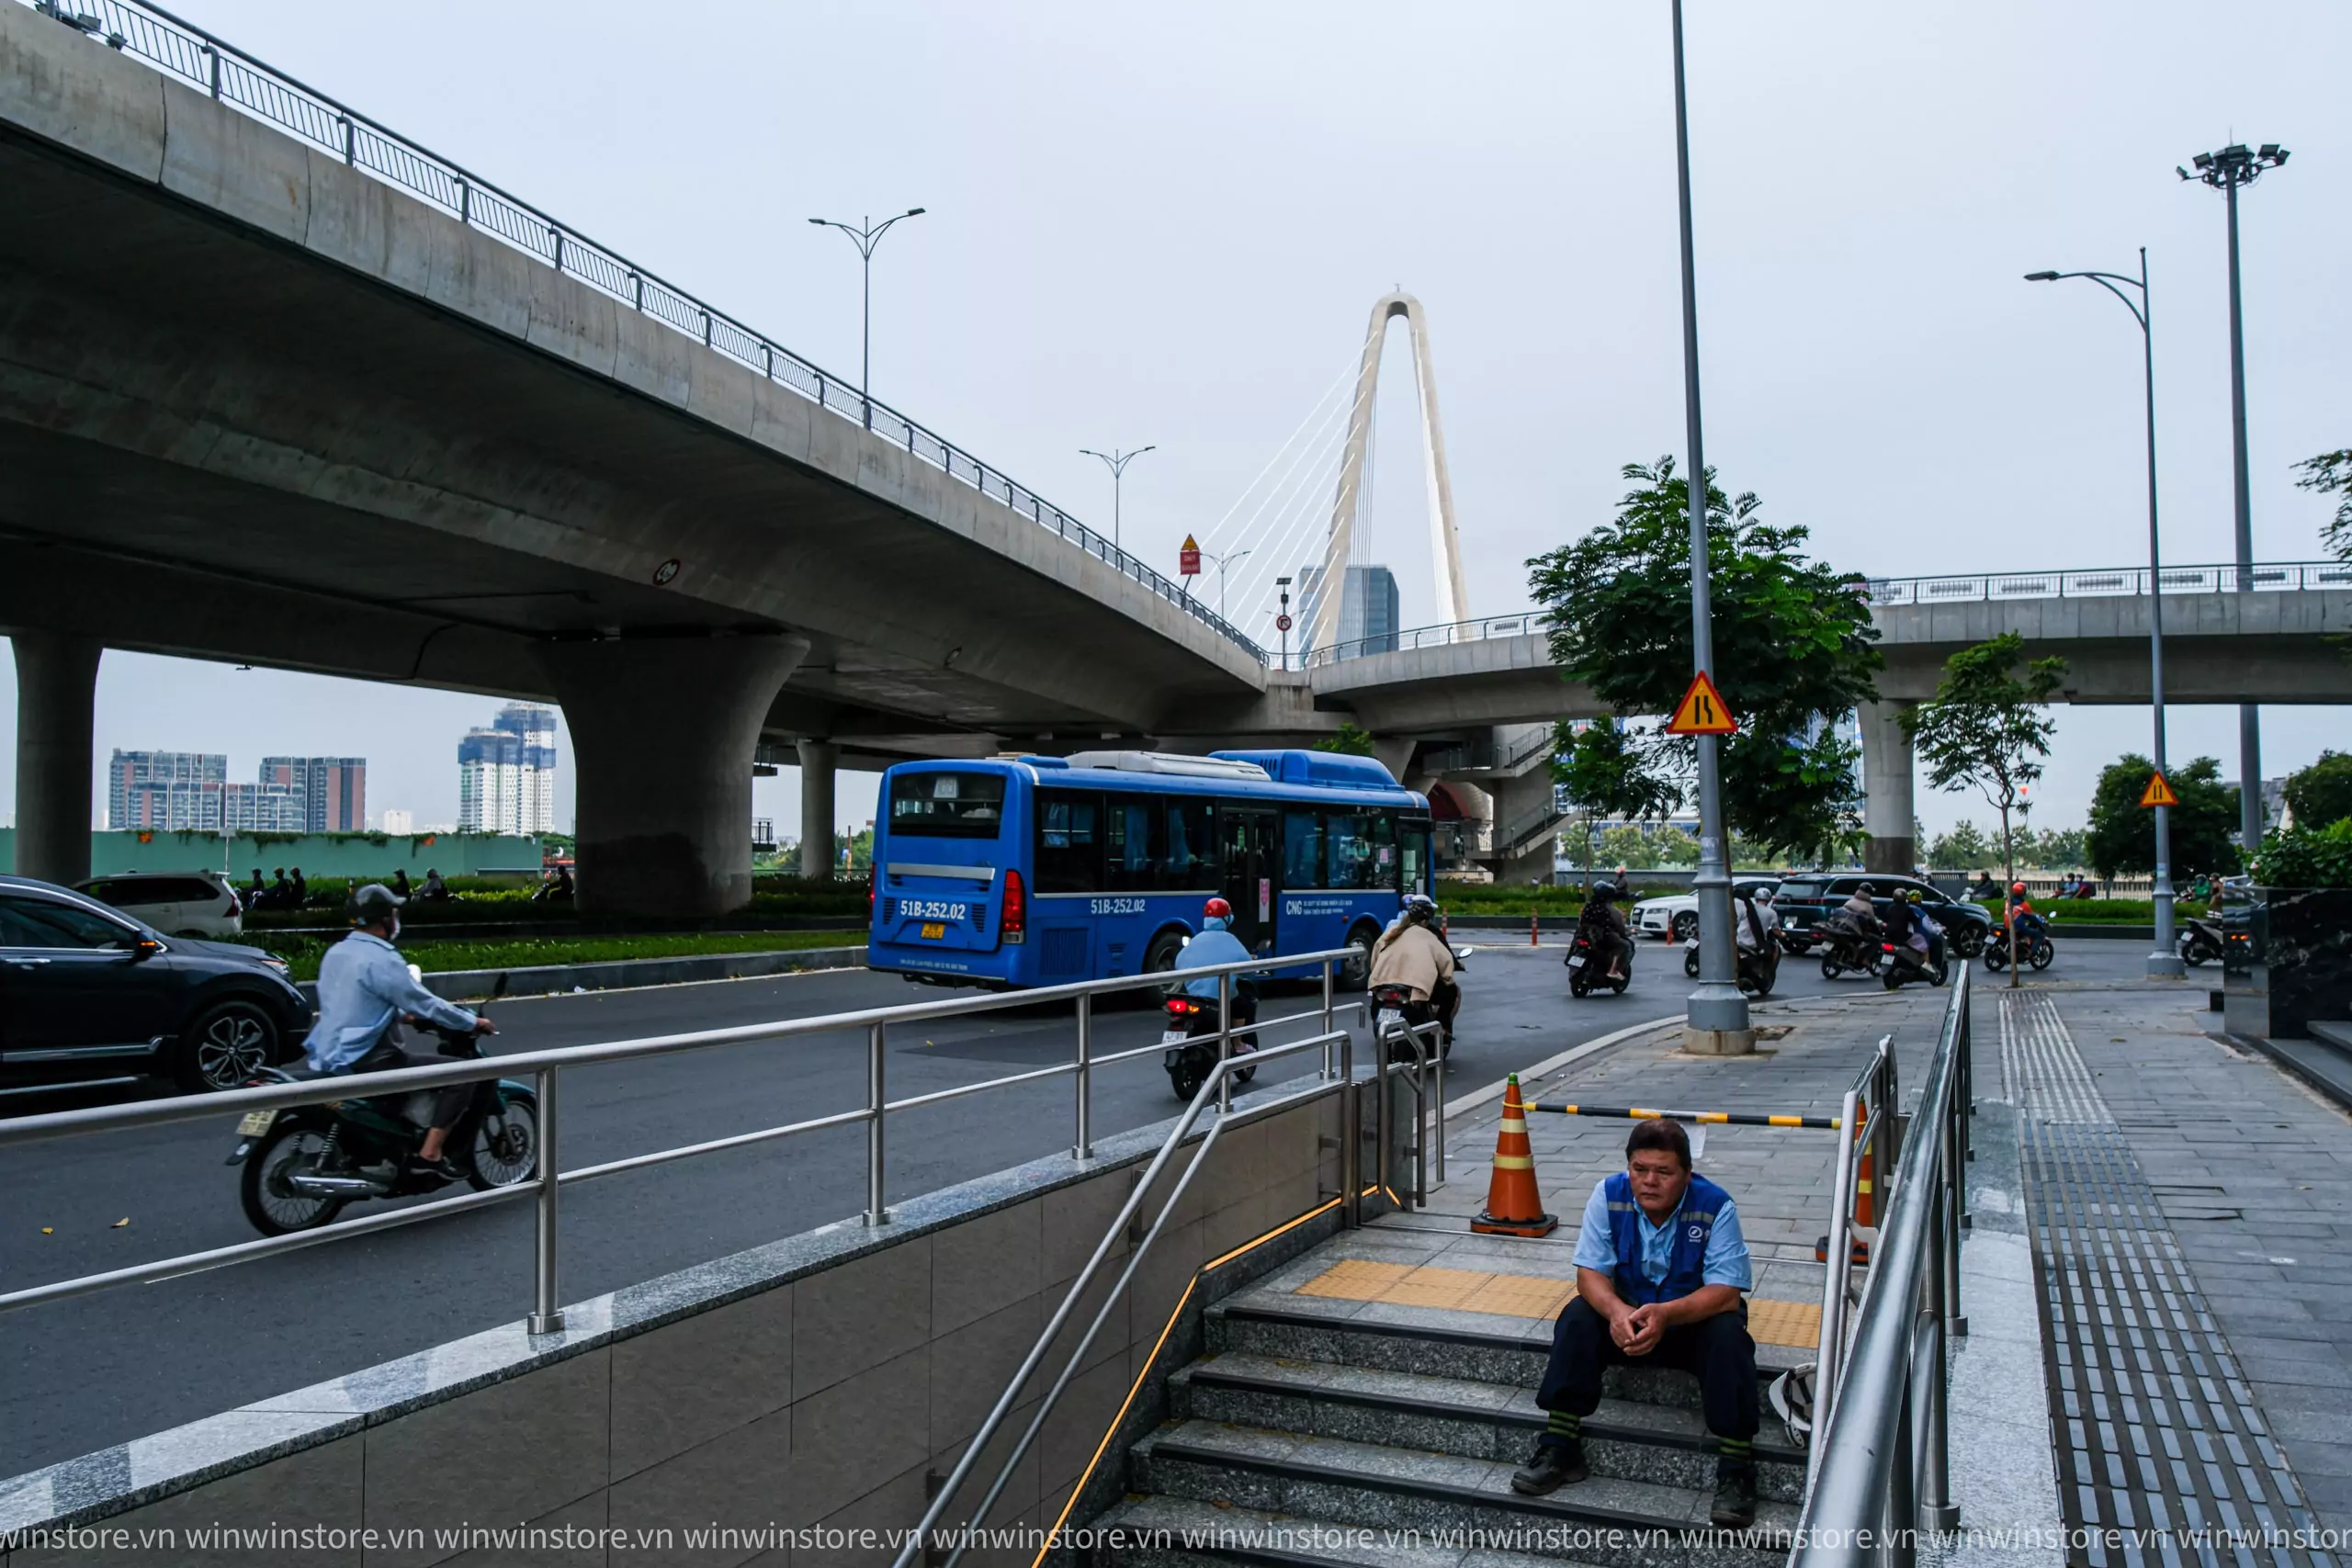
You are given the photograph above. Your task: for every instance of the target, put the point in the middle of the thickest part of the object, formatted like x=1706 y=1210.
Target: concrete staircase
x=1296 y=1419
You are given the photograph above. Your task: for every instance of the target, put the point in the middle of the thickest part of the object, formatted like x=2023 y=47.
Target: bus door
x=1253 y=852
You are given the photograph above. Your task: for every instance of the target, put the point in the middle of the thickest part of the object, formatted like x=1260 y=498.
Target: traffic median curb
x=557 y=979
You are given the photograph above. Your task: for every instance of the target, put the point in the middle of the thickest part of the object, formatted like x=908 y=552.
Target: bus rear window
x=947 y=806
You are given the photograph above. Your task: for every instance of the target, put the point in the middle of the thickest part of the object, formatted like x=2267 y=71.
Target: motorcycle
x=1902 y=965
x=1393 y=1008
x=2033 y=945
x=1190 y=1039
x=303 y=1164
x=1758 y=970
x=1848 y=947
x=1586 y=969
x=2200 y=940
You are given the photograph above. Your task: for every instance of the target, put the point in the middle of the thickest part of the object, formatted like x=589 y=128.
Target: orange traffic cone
x=1513 y=1205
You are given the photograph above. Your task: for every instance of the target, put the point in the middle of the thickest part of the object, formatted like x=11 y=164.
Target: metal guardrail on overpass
x=2120 y=583
x=185 y=50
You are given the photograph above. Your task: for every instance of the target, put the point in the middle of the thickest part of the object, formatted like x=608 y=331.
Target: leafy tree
x=2204 y=826
x=2053 y=847
x=2322 y=792
x=1351 y=742
x=1626 y=845
x=2330 y=473
x=2306 y=857
x=1988 y=728
x=1963 y=847
x=1674 y=846
x=1792 y=643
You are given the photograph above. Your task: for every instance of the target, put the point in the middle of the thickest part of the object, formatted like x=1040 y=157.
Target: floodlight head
x=2181 y=172
x=2042 y=277
x=2203 y=160
x=2270 y=151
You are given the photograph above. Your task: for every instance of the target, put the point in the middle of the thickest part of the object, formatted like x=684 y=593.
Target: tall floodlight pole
x=866 y=236
x=1716 y=1007
x=1117 y=461
x=2165 y=961
x=2225 y=171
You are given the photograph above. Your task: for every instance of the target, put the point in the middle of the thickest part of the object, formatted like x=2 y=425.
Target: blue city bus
x=1038 y=871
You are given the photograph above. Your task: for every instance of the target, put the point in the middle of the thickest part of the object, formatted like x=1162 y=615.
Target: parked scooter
x=2200 y=941
x=303 y=1164
x=1191 y=1038
x=1586 y=969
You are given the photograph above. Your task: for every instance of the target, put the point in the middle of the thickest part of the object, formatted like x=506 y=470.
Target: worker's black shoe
x=430 y=1172
x=1735 y=1494
x=1555 y=1464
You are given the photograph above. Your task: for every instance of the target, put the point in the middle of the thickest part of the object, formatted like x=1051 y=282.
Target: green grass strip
x=302 y=955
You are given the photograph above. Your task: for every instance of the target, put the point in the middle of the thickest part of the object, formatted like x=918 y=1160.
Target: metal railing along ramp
x=188 y=52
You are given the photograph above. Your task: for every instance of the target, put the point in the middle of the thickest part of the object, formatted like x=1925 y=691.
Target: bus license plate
x=1173 y=1037
x=1577 y=962
x=254 y=1123
x=934 y=929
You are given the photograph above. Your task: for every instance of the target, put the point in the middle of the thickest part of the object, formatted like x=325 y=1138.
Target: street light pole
x=1716 y=1009
x=1117 y=461
x=866 y=236
x=2225 y=171
x=1221 y=563
x=2165 y=961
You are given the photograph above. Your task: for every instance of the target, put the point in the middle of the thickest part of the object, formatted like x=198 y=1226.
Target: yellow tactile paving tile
x=1795 y=1323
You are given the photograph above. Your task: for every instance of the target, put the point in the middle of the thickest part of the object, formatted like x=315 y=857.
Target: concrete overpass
x=2268 y=640
x=304 y=394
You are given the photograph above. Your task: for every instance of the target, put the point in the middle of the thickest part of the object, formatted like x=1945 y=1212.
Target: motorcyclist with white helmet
x=1412 y=955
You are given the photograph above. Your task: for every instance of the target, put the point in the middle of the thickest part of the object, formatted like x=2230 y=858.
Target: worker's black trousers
x=1717 y=1349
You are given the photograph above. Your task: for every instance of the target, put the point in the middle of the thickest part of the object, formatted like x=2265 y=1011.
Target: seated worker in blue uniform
x=1661 y=1268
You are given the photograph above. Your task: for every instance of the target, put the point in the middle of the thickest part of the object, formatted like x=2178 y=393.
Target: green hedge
x=302 y=954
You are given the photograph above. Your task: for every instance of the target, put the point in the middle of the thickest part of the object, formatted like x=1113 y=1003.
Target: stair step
x=1182 y=1532
x=1453 y=1415
x=1610 y=1521
x=1512 y=1353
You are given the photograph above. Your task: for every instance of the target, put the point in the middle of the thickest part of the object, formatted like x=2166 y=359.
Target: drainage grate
x=2158 y=1434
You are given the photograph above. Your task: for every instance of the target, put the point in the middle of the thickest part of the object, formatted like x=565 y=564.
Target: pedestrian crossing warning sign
x=2158 y=793
x=1702 y=711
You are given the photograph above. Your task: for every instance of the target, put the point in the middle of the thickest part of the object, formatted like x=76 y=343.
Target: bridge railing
x=2120 y=583
x=184 y=50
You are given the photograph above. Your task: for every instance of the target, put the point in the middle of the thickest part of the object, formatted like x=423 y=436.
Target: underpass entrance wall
x=823 y=1382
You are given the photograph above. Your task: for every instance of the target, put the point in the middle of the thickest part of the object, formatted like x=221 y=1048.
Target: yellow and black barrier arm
x=1712 y=1118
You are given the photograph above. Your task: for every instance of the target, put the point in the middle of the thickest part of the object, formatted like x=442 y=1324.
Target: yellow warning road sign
x=1702 y=711
x=2158 y=793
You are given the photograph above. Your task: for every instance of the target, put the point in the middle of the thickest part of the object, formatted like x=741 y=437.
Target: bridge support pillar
x=57 y=684
x=1889 y=813
x=818 y=759
x=666 y=728
x=1521 y=804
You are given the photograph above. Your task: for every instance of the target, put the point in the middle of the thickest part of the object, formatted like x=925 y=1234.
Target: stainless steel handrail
x=1214 y=1087
x=1876 y=1490
x=2122 y=582
x=1428 y=1052
x=182 y=50
x=1872 y=1096
x=547 y=1065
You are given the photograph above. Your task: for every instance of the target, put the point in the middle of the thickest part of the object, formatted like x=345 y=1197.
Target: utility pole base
x=2165 y=967
x=1718 y=1042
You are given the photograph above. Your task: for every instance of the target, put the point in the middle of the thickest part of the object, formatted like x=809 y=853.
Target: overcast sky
x=1167 y=226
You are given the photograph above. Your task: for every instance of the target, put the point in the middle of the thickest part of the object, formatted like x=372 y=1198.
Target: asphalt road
x=81 y=1374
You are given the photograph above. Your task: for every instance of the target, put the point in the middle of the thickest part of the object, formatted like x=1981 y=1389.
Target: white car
x=1677 y=916
x=177 y=903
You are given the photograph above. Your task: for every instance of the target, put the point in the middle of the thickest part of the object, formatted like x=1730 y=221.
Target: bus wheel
x=1355 y=970
x=1161 y=956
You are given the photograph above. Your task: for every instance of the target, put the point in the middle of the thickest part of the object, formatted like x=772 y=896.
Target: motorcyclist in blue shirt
x=1214 y=944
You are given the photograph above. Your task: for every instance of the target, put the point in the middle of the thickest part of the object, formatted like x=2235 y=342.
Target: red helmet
x=1216 y=909
x=2017 y=886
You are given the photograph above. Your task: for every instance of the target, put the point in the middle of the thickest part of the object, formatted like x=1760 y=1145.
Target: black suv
x=88 y=992
x=1807 y=896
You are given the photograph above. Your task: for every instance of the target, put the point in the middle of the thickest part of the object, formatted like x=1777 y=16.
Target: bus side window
x=1302 y=850
x=1068 y=846
x=1350 y=846
x=1413 y=852
x=1191 y=862
x=1134 y=845
x=1381 y=867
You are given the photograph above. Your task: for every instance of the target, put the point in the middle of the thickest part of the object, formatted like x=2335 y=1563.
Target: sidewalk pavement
x=2251 y=1173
